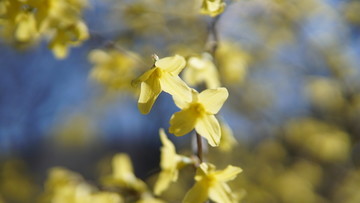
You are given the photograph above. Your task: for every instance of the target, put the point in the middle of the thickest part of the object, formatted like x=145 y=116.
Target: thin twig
x=199 y=147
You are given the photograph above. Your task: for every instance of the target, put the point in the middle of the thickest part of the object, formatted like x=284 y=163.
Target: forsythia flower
x=212 y=184
x=71 y=35
x=212 y=7
x=162 y=77
x=24 y=21
x=123 y=174
x=228 y=140
x=201 y=69
x=112 y=68
x=199 y=114
x=66 y=186
x=170 y=163
x=233 y=62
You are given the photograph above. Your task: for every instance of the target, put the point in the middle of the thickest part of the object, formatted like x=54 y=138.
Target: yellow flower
x=201 y=69
x=123 y=174
x=212 y=7
x=112 y=68
x=71 y=35
x=63 y=185
x=211 y=184
x=170 y=164
x=199 y=114
x=228 y=140
x=105 y=197
x=26 y=27
x=162 y=77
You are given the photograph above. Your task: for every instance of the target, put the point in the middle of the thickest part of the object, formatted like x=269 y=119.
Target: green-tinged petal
x=182 y=122
x=208 y=127
x=213 y=99
x=175 y=86
x=174 y=64
x=198 y=193
x=150 y=90
x=220 y=193
x=143 y=77
x=229 y=173
x=163 y=181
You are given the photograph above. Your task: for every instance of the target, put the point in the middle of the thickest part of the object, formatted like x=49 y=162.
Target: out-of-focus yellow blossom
x=212 y=7
x=233 y=62
x=199 y=114
x=26 y=27
x=66 y=186
x=211 y=184
x=148 y=198
x=123 y=174
x=25 y=21
x=170 y=164
x=112 y=68
x=162 y=77
x=295 y=189
x=227 y=141
x=325 y=93
x=319 y=139
x=72 y=35
x=201 y=69
x=105 y=197
x=63 y=185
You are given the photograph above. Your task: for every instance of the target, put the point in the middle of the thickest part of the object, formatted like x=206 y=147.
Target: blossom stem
x=199 y=147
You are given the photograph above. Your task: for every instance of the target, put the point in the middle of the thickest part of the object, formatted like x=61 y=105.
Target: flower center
x=158 y=72
x=197 y=108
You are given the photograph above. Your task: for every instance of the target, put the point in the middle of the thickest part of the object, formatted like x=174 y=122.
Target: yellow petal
x=163 y=181
x=229 y=173
x=182 y=122
x=108 y=197
x=175 y=86
x=208 y=127
x=213 y=99
x=150 y=90
x=122 y=167
x=227 y=141
x=173 y=65
x=198 y=193
x=143 y=77
x=220 y=193
x=212 y=78
x=168 y=153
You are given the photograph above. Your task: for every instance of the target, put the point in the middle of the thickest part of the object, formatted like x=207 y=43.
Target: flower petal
x=168 y=153
x=229 y=173
x=208 y=127
x=143 y=77
x=163 y=182
x=182 y=122
x=213 y=99
x=173 y=64
x=220 y=192
x=198 y=193
x=150 y=90
x=175 y=86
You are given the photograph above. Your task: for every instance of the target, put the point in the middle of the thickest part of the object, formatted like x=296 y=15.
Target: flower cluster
x=24 y=22
x=197 y=113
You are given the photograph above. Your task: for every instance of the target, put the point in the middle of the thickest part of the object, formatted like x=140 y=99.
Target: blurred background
x=291 y=68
